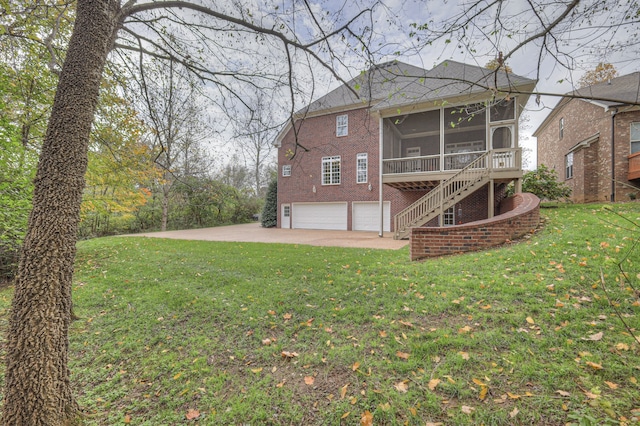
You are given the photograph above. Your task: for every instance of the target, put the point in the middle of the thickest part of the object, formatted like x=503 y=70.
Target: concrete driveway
x=254 y=233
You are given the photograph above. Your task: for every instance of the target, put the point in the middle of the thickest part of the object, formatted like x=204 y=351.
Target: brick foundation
x=522 y=215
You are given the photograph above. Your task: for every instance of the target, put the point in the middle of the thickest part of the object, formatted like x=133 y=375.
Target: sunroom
x=421 y=149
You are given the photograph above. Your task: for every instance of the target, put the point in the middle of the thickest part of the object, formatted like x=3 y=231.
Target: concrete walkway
x=254 y=233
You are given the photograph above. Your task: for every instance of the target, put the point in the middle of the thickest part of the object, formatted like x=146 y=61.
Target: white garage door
x=319 y=216
x=366 y=216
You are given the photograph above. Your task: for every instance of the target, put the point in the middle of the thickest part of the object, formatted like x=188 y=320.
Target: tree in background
x=270 y=210
x=544 y=184
x=254 y=134
x=602 y=73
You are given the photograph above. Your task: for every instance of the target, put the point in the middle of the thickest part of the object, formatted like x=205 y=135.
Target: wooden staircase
x=448 y=193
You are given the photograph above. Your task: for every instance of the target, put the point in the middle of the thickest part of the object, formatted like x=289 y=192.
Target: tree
x=544 y=184
x=170 y=105
x=255 y=133
x=270 y=210
x=37 y=378
x=603 y=72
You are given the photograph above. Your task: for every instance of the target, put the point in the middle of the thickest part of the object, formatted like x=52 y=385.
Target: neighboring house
x=443 y=148
x=580 y=137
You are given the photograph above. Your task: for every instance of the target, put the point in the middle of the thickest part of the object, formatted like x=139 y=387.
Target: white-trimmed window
x=568 y=165
x=362 y=166
x=449 y=217
x=342 y=125
x=635 y=137
x=331 y=170
x=286 y=170
x=561 y=128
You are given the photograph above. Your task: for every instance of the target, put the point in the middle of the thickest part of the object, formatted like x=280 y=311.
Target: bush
x=270 y=209
x=544 y=184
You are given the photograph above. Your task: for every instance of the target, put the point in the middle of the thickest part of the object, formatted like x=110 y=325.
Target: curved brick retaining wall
x=522 y=215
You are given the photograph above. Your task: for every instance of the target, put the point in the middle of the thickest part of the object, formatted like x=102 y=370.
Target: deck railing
x=501 y=159
x=634 y=166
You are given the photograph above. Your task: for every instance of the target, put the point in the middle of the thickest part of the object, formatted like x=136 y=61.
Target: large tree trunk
x=37 y=390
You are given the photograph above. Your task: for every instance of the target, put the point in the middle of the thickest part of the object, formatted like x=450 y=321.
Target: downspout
x=614 y=112
x=380 y=164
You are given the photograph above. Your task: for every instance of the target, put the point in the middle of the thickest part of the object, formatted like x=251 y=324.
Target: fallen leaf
x=513 y=395
x=281 y=384
x=594 y=365
x=402 y=355
x=385 y=407
x=355 y=366
x=366 y=419
x=309 y=380
x=483 y=393
x=256 y=370
x=563 y=393
x=479 y=382
x=406 y=323
x=345 y=415
x=514 y=412
x=530 y=320
x=466 y=409
x=266 y=341
x=192 y=414
x=127 y=419
x=611 y=385
x=622 y=347
x=289 y=355
x=464 y=355
x=433 y=383
x=287 y=316
x=383 y=333
x=343 y=391
x=594 y=337
x=401 y=387
x=464 y=329
x=271 y=312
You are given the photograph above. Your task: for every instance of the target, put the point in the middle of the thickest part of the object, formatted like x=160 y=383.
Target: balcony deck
x=425 y=172
x=634 y=166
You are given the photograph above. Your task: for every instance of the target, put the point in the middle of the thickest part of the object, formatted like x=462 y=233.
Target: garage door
x=366 y=216
x=319 y=216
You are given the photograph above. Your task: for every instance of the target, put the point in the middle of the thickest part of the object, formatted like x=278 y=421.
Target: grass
x=528 y=333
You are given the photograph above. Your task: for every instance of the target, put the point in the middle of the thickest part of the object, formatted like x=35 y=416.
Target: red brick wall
x=318 y=135
x=592 y=166
x=521 y=219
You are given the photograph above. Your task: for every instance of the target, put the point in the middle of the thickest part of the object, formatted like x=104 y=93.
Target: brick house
x=577 y=137
x=443 y=148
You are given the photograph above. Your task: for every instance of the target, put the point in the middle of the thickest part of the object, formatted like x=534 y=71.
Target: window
x=342 y=125
x=361 y=167
x=561 y=128
x=413 y=151
x=331 y=170
x=569 y=165
x=503 y=110
x=286 y=170
x=635 y=137
x=286 y=211
x=449 y=217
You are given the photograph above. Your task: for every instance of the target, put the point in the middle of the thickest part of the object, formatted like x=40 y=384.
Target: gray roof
x=623 y=90
x=619 y=91
x=396 y=84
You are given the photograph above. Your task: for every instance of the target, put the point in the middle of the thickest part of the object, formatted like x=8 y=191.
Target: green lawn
x=190 y=332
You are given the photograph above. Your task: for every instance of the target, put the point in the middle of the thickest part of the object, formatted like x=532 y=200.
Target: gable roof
x=617 y=92
x=396 y=84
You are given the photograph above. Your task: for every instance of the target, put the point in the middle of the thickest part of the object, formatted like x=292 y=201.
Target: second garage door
x=366 y=216
x=319 y=216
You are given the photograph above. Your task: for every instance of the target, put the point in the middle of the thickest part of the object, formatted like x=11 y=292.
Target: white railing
x=501 y=159
x=428 y=163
